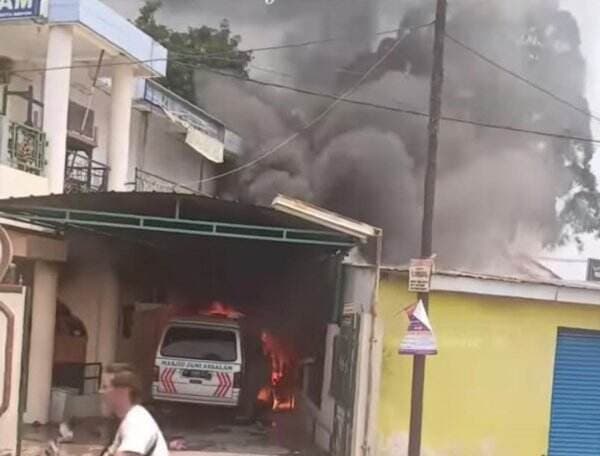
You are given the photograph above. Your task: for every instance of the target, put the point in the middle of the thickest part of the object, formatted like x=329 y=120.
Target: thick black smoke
x=497 y=190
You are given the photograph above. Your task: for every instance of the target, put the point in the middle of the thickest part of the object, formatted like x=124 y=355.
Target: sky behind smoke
x=248 y=18
x=323 y=178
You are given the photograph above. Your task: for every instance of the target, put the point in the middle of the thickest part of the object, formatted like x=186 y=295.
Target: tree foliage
x=193 y=48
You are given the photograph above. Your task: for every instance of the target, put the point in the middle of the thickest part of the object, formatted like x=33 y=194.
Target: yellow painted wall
x=488 y=391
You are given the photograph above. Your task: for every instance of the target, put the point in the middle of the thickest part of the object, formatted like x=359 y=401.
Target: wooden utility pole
x=435 y=107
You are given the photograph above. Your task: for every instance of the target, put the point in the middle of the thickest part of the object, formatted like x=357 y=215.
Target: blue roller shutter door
x=575 y=419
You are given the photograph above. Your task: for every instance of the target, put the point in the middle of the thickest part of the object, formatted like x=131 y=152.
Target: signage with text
x=419 y=275
x=19 y=9
x=199 y=365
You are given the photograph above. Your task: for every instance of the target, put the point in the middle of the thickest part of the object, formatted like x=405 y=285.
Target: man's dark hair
x=124 y=376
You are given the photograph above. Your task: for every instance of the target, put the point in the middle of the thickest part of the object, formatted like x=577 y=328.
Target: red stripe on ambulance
x=225 y=384
x=166 y=380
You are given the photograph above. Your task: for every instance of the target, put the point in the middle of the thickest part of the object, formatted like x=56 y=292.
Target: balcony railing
x=22 y=147
x=84 y=175
x=148 y=182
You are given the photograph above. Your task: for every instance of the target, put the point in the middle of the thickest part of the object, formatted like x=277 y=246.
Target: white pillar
x=120 y=126
x=56 y=102
x=108 y=313
x=41 y=350
x=90 y=287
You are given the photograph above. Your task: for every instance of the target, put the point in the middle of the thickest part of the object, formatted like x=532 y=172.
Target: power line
x=295 y=45
x=521 y=78
x=318 y=118
x=325 y=95
x=203 y=56
x=257 y=67
x=412 y=112
x=83 y=65
x=162 y=59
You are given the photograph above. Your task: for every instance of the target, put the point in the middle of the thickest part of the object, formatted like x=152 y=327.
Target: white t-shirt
x=137 y=433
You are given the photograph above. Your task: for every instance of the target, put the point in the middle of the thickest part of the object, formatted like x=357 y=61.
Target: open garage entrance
x=139 y=262
x=285 y=297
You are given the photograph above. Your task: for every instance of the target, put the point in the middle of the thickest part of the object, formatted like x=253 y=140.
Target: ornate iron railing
x=84 y=175
x=148 y=182
x=25 y=147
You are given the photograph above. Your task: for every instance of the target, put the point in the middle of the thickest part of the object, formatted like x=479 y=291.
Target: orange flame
x=264 y=395
x=282 y=366
x=218 y=309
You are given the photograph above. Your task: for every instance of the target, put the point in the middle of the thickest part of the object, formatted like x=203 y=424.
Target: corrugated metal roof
x=156 y=204
x=158 y=215
x=582 y=285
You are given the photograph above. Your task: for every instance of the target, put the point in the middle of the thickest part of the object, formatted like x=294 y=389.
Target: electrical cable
x=318 y=118
x=521 y=78
x=203 y=56
x=296 y=45
x=412 y=112
x=343 y=99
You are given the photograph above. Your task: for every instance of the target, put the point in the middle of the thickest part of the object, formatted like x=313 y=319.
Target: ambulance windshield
x=200 y=343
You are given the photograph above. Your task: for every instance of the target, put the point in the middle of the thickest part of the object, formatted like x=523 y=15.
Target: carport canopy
x=135 y=215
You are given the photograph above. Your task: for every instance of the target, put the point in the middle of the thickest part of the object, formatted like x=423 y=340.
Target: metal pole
x=91 y=96
x=29 y=98
x=435 y=106
x=366 y=446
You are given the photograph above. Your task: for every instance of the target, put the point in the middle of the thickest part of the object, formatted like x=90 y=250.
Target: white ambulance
x=200 y=361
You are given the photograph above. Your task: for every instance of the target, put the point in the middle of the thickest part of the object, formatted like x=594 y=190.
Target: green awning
x=175 y=214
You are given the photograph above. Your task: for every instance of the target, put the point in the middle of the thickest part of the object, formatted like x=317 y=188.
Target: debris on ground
x=66 y=434
x=178 y=444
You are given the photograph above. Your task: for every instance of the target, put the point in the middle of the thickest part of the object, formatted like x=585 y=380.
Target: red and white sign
x=419 y=339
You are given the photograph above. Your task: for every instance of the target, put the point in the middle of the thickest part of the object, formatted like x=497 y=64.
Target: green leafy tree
x=195 y=47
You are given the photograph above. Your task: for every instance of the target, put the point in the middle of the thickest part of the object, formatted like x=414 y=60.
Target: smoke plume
x=497 y=189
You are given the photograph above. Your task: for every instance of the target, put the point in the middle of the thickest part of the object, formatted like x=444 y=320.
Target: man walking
x=138 y=434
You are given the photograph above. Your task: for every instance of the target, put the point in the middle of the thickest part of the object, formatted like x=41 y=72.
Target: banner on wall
x=419 y=339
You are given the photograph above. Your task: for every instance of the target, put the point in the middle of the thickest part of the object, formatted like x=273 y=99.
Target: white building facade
x=79 y=112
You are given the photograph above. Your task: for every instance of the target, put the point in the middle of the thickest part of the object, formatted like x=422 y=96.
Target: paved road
x=206 y=431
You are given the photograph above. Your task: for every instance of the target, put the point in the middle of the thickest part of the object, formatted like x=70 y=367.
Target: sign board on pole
x=593 y=270
x=419 y=339
x=19 y=9
x=419 y=275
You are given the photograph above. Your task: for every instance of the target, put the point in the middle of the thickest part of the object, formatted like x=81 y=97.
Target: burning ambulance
x=200 y=361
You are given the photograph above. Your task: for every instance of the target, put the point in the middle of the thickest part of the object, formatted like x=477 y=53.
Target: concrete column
x=91 y=289
x=56 y=103
x=41 y=351
x=120 y=126
x=108 y=316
